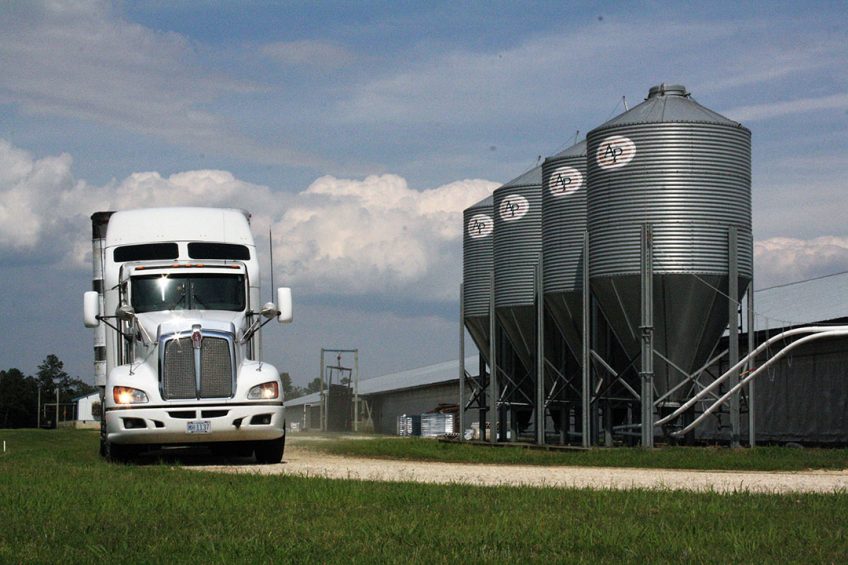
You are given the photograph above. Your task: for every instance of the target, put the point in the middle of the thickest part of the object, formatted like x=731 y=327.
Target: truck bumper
x=171 y=425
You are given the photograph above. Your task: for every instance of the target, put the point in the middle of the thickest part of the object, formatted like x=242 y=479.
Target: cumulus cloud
x=780 y=260
x=376 y=235
x=339 y=236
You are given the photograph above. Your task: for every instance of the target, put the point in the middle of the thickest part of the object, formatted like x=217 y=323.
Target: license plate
x=198 y=427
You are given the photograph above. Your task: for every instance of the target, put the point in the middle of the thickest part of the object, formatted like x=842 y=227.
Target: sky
x=357 y=132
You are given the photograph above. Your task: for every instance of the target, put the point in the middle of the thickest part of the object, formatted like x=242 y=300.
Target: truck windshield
x=151 y=293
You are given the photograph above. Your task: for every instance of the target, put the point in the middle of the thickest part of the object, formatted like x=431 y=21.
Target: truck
x=177 y=316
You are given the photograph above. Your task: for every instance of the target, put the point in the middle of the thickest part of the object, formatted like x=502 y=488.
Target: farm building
x=383 y=399
x=87 y=410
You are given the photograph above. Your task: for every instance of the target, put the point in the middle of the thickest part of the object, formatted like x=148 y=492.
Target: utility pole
x=57 y=407
x=38 y=412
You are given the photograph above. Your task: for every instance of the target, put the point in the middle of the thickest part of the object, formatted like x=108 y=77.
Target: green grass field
x=716 y=458
x=60 y=503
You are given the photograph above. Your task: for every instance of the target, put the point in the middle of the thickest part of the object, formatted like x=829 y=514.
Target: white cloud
x=376 y=236
x=785 y=108
x=780 y=260
x=339 y=236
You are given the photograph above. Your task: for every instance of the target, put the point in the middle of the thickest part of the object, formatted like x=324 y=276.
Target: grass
x=60 y=503
x=713 y=458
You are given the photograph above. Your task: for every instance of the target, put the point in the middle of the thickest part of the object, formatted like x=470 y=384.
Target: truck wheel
x=117 y=453
x=270 y=451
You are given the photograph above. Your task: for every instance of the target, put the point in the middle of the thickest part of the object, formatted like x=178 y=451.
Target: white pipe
x=765 y=345
x=743 y=382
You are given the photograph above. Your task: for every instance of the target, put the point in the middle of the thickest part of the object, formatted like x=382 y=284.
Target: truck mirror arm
x=255 y=327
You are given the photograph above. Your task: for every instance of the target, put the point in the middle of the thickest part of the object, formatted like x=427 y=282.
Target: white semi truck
x=176 y=311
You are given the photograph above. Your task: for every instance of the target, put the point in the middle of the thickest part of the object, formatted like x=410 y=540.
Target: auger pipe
x=779 y=355
x=765 y=345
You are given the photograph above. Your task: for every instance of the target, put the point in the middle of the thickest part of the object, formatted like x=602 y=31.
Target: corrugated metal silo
x=685 y=170
x=563 y=229
x=517 y=244
x=477 y=268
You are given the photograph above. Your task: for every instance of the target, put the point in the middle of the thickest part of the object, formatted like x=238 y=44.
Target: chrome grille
x=178 y=379
x=216 y=375
x=179 y=375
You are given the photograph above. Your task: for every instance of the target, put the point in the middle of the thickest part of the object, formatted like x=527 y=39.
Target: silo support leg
x=733 y=331
x=647 y=329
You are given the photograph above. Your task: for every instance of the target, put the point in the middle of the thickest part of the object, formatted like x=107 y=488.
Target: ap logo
x=480 y=225
x=564 y=181
x=615 y=152
x=513 y=207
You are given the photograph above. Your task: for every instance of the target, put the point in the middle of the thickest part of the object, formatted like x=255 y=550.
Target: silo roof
x=486 y=202
x=533 y=177
x=575 y=150
x=668 y=104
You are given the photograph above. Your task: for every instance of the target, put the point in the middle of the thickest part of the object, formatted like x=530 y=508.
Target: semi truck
x=177 y=317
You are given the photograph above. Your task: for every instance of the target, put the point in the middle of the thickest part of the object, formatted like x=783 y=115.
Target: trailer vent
x=180 y=370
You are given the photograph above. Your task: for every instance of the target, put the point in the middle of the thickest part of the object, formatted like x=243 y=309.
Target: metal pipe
x=461 y=362
x=321 y=404
x=763 y=347
x=776 y=357
x=356 y=390
x=733 y=330
x=493 y=367
x=540 y=355
x=585 y=399
x=750 y=365
x=647 y=330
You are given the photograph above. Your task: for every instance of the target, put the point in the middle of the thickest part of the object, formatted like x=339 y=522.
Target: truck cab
x=178 y=344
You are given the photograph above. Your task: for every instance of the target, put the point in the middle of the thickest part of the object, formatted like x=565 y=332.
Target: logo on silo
x=513 y=207
x=614 y=152
x=480 y=225
x=564 y=181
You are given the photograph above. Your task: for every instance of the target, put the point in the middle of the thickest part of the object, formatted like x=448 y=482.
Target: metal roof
x=666 y=104
x=412 y=378
x=533 y=177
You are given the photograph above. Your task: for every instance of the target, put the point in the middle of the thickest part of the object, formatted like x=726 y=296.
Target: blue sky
x=360 y=130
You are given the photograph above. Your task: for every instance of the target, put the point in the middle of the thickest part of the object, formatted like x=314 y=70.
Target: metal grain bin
x=563 y=229
x=477 y=269
x=685 y=170
x=517 y=245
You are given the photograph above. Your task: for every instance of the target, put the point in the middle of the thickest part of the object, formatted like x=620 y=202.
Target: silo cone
x=686 y=171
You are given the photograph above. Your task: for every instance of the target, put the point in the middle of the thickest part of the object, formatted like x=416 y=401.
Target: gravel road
x=301 y=461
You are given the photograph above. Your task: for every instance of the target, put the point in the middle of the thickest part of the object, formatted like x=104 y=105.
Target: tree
x=18 y=399
x=52 y=376
x=313 y=386
x=289 y=389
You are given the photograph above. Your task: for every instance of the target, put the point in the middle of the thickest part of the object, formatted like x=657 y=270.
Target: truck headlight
x=265 y=391
x=127 y=395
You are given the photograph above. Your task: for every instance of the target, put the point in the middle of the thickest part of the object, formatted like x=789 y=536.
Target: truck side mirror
x=284 y=304
x=91 y=309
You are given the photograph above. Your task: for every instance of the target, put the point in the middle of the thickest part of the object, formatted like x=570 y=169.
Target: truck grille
x=179 y=370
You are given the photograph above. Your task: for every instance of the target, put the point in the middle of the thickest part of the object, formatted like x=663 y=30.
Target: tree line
x=19 y=395
x=290 y=390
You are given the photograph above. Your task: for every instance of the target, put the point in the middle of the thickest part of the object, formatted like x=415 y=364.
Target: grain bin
x=563 y=231
x=517 y=245
x=477 y=269
x=686 y=171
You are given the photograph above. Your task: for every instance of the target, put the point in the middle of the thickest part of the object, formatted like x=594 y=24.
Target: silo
x=685 y=171
x=517 y=245
x=477 y=268
x=563 y=231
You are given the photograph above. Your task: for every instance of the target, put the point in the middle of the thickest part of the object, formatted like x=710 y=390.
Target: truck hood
x=174 y=321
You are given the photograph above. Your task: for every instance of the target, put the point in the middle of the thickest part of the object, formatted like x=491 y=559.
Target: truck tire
x=270 y=451
x=117 y=453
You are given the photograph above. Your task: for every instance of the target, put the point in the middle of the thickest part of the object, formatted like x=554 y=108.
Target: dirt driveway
x=301 y=461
